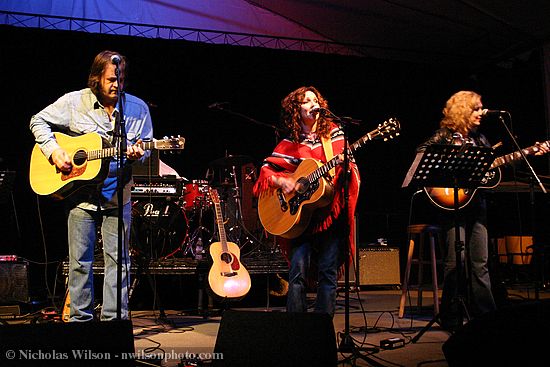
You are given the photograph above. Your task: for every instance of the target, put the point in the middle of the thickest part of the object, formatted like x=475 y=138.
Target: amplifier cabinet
x=379 y=265
x=14 y=285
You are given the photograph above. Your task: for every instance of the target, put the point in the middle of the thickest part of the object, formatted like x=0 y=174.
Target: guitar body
x=228 y=278
x=443 y=197
x=46 y=179
x=288 y=215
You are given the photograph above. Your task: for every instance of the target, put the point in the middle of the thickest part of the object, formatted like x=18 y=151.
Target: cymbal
x=231 y=160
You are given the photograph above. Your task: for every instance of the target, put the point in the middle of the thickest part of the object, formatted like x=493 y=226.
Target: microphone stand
x=120 y=134
x=346 y=344
x=276 y=129
x=534 y=178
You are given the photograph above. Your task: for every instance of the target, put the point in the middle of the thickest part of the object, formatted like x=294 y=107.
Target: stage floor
x=373 y=316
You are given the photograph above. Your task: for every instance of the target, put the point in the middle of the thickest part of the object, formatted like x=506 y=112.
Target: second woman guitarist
x=312 y=136
x=462 y=117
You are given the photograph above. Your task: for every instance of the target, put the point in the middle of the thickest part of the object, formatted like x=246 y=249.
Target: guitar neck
x=112 y=151
x=221 y=227
x=321 y=171
x=509 y=158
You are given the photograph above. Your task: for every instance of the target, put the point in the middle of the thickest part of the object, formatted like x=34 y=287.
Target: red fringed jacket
x=285 y=159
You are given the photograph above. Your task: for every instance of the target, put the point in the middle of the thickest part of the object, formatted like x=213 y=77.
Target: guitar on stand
x=228 y=278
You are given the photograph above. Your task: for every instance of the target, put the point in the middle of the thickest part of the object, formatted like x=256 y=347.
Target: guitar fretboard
x=321 y=171
x=508 y=158
x=112 y=151
x=221 y=228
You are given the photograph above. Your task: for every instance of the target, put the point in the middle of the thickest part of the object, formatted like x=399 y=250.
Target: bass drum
x=159 y=228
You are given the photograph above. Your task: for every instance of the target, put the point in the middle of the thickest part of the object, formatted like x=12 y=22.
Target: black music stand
x=456 y=166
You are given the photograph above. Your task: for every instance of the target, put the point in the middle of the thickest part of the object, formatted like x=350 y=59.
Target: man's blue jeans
x=82 y=230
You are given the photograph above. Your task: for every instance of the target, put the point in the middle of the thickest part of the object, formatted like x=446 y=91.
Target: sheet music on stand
x=449 y=165
x=455 y=166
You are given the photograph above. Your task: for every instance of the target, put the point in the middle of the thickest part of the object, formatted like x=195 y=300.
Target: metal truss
x=175 y=33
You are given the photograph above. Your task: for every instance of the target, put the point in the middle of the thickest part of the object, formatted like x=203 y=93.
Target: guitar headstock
x=388 y=129
x=214 y=195
x=172 y=143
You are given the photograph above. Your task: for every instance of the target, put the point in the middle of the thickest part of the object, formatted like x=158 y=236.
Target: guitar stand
x=456 y=166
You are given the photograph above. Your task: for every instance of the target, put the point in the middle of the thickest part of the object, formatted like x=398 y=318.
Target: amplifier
x=157 y=186
x=378 y=265
x=14 y=284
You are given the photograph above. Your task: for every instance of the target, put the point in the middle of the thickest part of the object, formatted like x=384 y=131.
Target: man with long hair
x=96 y=109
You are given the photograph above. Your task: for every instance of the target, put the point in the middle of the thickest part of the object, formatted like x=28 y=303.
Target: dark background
x=181 y=79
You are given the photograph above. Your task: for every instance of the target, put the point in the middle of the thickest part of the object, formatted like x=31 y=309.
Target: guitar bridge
x=282 y=201
x=228 y=274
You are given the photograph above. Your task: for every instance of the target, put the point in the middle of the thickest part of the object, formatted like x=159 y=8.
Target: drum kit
x=174 y=217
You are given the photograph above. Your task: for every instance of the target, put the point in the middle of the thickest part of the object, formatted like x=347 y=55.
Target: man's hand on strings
x=61 y=160
x=135 y=151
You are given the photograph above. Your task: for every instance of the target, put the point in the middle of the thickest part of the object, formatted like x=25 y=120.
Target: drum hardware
x=196 y=246
x=237 y=232
x=198 y=204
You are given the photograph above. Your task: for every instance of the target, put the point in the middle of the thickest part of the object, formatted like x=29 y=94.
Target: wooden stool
x=419 y=233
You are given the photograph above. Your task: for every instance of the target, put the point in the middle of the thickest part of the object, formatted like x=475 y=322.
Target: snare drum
x=196 y=195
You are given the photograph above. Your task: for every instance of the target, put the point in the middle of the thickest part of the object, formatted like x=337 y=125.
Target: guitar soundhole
x=226 y=258
x=80 y=157
x=303 y=185
x=297 y=200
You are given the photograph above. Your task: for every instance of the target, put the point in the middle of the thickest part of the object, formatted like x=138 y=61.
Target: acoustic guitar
x=443 y=197
x=66 y=310
x=288 y=215
x=89 y=154
x=228 y=278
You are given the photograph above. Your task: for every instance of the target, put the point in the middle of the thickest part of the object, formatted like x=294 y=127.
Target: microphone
x=217 y=105
x=115 y=59
x=492 y=112
x=321 y=110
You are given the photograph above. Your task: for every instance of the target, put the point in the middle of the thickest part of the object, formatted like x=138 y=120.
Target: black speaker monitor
x=256 y=338
x=99 y=344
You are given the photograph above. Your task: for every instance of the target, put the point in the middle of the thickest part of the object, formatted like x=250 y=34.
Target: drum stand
x=195 y=247
x=238 y=232
x=195 y=244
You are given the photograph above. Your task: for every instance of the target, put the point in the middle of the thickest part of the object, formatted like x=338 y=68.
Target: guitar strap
x=327 y=147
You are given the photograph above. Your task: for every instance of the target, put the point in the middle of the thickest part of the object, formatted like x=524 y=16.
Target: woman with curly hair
x=462 y=116
x=312 y=135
